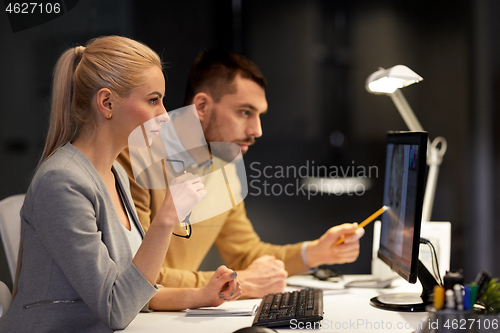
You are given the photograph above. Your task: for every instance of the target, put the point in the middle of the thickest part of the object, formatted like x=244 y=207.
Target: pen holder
x=451 y=321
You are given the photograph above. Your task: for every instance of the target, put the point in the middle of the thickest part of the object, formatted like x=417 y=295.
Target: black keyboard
x=290 y=308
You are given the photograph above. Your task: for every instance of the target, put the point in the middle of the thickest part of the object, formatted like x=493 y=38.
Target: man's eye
x=245 y=112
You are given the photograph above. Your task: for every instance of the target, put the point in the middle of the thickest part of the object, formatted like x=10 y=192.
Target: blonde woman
x=86 y=264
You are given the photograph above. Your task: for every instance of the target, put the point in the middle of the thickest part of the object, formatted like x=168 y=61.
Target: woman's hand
x=184 y=193
x=186 y=190
x=223 y=286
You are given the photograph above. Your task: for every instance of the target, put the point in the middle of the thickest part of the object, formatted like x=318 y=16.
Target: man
x=228 y=93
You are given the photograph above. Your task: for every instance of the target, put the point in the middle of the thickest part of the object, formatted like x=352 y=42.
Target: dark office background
x=316 y=56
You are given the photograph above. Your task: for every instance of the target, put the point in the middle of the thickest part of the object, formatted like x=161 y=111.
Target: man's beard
x=212 y=131
x=227 y=151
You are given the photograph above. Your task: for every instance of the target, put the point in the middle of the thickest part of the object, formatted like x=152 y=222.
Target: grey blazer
x=77 y=273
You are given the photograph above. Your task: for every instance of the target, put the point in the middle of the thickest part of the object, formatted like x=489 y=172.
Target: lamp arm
x=434 y=154
x=430 y=191
x=405 y=110
x=434 y=160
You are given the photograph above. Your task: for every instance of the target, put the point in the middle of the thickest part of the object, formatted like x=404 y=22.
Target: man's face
x=236 y=117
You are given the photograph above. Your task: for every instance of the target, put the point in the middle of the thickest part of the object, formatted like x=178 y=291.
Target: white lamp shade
x=386 y=81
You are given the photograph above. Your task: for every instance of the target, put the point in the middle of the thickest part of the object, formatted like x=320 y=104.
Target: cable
x=434 y=259
x=433 y=250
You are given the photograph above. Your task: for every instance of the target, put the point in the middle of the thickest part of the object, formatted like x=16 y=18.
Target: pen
x=458 y=297
x=467 y=300
x=364 y=223
x=438 y=297
x=473 y=294
x=450 y=299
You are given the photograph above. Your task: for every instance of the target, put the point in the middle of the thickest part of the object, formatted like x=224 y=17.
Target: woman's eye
x=153 y=100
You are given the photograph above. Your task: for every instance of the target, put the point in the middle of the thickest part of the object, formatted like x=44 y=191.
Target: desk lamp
x=389 y=82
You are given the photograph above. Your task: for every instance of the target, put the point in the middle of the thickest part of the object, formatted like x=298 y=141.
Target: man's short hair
x=214 y=71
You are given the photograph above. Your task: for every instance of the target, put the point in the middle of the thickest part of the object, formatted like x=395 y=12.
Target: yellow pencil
x=364 y=223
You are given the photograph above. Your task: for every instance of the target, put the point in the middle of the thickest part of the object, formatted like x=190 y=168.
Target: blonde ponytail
x=61 y=128
x=112 y=62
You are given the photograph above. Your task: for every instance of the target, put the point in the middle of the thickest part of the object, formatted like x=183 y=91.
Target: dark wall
x=178 y=31
x=316 y=56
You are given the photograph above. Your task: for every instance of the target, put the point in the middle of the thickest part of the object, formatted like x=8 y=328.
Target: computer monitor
x=404 y=186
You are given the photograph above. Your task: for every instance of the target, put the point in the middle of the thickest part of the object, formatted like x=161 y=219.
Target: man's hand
x=265 y=275
x=322 y=251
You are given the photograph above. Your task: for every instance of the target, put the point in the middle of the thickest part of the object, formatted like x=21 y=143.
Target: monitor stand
x=409 y=302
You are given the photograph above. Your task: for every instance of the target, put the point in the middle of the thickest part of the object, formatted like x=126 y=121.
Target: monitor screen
x=404 y=185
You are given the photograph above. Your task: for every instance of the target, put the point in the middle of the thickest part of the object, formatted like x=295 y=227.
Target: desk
x=346 y=310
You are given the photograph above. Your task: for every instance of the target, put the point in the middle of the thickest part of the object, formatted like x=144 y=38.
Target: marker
x=467 y=301
x=458 y=297
x=364 y=223
x=473 y=294
x=450 y=299
x=438 y=297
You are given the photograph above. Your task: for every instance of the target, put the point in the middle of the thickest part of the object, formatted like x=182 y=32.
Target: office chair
x=10 y=229
x=5 y=298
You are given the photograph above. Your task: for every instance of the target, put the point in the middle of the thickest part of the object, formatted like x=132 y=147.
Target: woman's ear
x=104 y=100
x=204 y=104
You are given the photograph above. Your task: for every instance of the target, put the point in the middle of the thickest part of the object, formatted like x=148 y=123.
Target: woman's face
x=144 y=106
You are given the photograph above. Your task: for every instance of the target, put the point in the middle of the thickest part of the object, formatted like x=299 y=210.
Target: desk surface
x=346 y=310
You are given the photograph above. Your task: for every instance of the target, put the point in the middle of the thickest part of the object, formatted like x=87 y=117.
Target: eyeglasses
x=189 y=230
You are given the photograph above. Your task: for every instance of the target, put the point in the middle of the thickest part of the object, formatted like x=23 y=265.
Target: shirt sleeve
x=66 y=219
x=179 y=278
